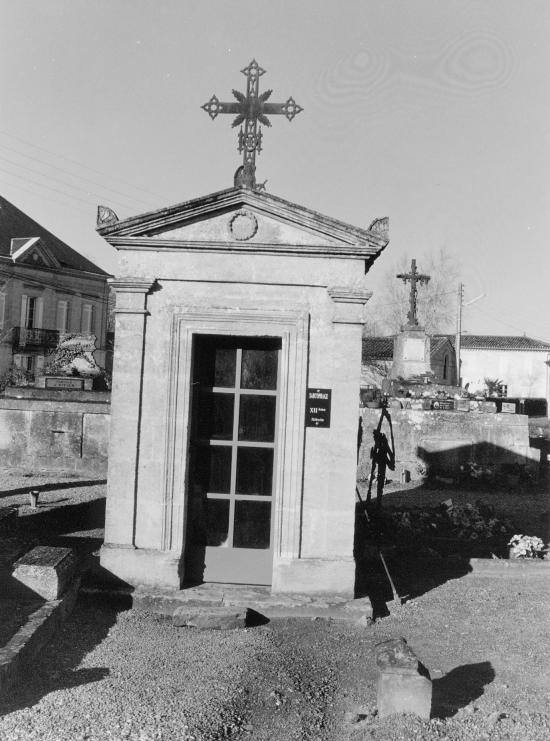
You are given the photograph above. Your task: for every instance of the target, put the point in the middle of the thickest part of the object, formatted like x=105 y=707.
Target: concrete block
x=404 y=684
x=210 y=618
x=46 y=570
x=361 y=607
x=404 y=693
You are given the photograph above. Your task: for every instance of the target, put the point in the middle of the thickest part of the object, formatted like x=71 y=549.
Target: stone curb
x=509 y=567
x=29 y=640
x=166 y=602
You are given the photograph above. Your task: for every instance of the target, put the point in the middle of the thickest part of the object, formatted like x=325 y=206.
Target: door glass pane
x=224 y=366
x=218 y=522
x=213 y=469
x=257 y=418
x=215 y=414
x=254 y=471
x=217 y=365
x=252 y=524
x=259 y=369
x=197 y=516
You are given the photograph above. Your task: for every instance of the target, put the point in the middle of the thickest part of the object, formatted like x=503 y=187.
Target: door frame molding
x=292 y=327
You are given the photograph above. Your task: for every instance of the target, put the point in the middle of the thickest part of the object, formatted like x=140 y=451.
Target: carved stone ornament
x=106 y=216
x=243 y=225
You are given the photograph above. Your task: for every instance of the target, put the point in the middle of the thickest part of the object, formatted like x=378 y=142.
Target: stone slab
x=46 y=570
x=209 y=618
x=8 y=520
x=205 y=597
x=17 y=656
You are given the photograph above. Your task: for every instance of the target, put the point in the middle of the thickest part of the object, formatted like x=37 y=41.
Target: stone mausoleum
x=235 y=392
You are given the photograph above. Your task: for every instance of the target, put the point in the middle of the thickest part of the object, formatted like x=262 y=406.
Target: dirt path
x=129 y=675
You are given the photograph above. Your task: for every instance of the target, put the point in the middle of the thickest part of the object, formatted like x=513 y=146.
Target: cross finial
x=414 y=277
x=251 y=110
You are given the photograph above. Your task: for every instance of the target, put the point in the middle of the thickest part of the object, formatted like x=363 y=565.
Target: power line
x=59 y=180
x=132 y=199
x=55 y=190
x=80 y=164
x=49 y=198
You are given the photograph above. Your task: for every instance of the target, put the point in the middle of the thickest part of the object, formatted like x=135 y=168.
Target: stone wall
x=40 y=435
x=446 y=444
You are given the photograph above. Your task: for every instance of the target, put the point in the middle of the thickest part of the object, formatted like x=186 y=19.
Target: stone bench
x=46 y=570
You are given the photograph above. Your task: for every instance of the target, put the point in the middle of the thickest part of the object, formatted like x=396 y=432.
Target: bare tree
x=387 y=310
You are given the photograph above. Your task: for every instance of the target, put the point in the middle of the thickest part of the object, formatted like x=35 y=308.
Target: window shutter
x=39 y=313
x=24 y=311
x=2 y=309
x=87 y=311
x=62 y=313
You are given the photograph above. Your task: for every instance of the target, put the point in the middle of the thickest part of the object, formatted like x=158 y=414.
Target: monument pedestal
x=411 y=354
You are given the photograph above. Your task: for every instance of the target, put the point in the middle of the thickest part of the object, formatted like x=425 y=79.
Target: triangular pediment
x=244 y=220
x=244 y=225
x=33 y=252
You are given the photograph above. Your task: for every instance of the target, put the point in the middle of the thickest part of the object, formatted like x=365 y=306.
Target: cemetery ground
x=113 y=673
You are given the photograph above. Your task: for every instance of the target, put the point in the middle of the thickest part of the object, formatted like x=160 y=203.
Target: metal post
x=460 y=299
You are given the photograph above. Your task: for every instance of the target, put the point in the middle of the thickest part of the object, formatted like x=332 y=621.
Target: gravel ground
x=129 y=675
x=110 y=675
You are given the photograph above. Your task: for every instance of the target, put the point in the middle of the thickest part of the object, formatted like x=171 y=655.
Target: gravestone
x=71 y=365
x=404 y=684
x=46 y=570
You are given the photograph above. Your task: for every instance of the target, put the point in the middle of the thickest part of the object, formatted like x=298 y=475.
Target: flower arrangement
x=526 y=546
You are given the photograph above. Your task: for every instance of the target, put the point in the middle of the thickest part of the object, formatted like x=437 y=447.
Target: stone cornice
x=349 y=304
x=131 y=285
x=344 y=295
x=350 y=251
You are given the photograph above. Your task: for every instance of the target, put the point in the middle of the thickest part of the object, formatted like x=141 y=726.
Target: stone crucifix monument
x=235 y=383
x=411 y=351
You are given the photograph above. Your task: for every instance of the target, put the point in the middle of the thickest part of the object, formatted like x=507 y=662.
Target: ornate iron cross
x=414 y=278
x=252 y=109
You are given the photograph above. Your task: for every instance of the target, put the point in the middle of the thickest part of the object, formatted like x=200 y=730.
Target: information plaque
x=318 y=408
x=56 y=382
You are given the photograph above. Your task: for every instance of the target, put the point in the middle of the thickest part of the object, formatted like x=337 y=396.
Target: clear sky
x=435 y=113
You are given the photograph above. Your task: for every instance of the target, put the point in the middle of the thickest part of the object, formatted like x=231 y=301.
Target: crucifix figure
x=251 y=109
x=414 y=277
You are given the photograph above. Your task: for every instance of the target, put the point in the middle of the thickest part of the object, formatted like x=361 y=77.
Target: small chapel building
x=237 y=361
x=236 y=380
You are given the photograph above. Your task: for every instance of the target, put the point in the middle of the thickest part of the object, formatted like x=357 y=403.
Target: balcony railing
x=23 y=338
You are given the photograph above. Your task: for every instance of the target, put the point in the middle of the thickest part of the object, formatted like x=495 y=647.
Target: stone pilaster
x=345 y=370
x=130 y=318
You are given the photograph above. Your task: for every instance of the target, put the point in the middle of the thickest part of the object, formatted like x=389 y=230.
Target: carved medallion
x=243 y=225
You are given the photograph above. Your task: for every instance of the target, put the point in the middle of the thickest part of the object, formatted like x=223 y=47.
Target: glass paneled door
x=231 y=462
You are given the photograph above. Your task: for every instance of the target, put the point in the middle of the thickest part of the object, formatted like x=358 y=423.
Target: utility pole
x=459 y=306
x=460 y=300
